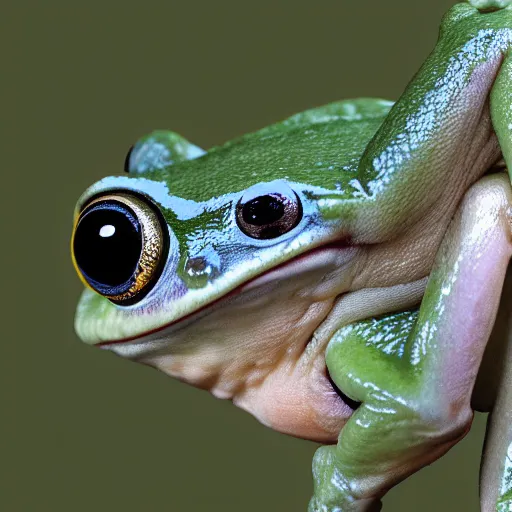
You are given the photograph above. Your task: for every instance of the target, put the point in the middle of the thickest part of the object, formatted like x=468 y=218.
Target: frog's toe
x=490 y=5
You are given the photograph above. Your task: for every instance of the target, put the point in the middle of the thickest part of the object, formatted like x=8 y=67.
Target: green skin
x=397 y=300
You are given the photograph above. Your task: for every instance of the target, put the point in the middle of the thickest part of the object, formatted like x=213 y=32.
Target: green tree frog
x=337 y=274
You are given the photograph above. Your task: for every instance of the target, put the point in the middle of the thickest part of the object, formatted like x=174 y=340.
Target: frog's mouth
x=331 y=256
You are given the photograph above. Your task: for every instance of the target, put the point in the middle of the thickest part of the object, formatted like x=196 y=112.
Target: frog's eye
x=264 y=212
x=118 y=247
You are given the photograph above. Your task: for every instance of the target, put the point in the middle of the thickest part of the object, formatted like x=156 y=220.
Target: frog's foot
x=490 y=5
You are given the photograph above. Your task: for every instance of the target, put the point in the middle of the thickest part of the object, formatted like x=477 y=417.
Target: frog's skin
x=391 y=197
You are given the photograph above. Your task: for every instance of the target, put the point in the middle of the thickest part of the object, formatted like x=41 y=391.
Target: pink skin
x=480 y=280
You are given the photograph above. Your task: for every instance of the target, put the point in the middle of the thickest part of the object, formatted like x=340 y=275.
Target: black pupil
x=263 y=210
x=108 y=245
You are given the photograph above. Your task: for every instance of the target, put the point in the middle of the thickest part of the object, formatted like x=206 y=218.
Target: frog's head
x=220 y=269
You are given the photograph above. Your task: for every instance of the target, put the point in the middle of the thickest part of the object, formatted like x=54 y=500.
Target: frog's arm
x=438 y=136
x=414 y=372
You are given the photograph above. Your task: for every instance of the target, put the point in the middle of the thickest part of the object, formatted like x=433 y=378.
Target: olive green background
x=83 y=430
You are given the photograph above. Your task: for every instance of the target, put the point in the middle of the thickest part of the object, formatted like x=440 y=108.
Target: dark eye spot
x=264 y=210
x=269 y=214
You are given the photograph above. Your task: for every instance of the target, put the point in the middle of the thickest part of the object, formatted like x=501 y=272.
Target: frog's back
x=342 y=114
x=321 y=147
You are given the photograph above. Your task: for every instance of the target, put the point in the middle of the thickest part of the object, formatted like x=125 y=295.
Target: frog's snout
x=119 y=246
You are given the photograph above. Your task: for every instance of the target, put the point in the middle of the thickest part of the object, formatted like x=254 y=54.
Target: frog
x=341 y=275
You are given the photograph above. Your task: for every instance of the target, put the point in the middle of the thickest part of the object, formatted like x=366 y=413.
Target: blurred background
x=82 y=430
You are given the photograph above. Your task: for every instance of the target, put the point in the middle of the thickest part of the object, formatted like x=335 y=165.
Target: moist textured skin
x=395 y=211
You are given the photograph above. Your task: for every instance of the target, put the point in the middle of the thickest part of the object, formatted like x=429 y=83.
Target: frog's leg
x=496 y=477
x=496 y=474
x=414 y=372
